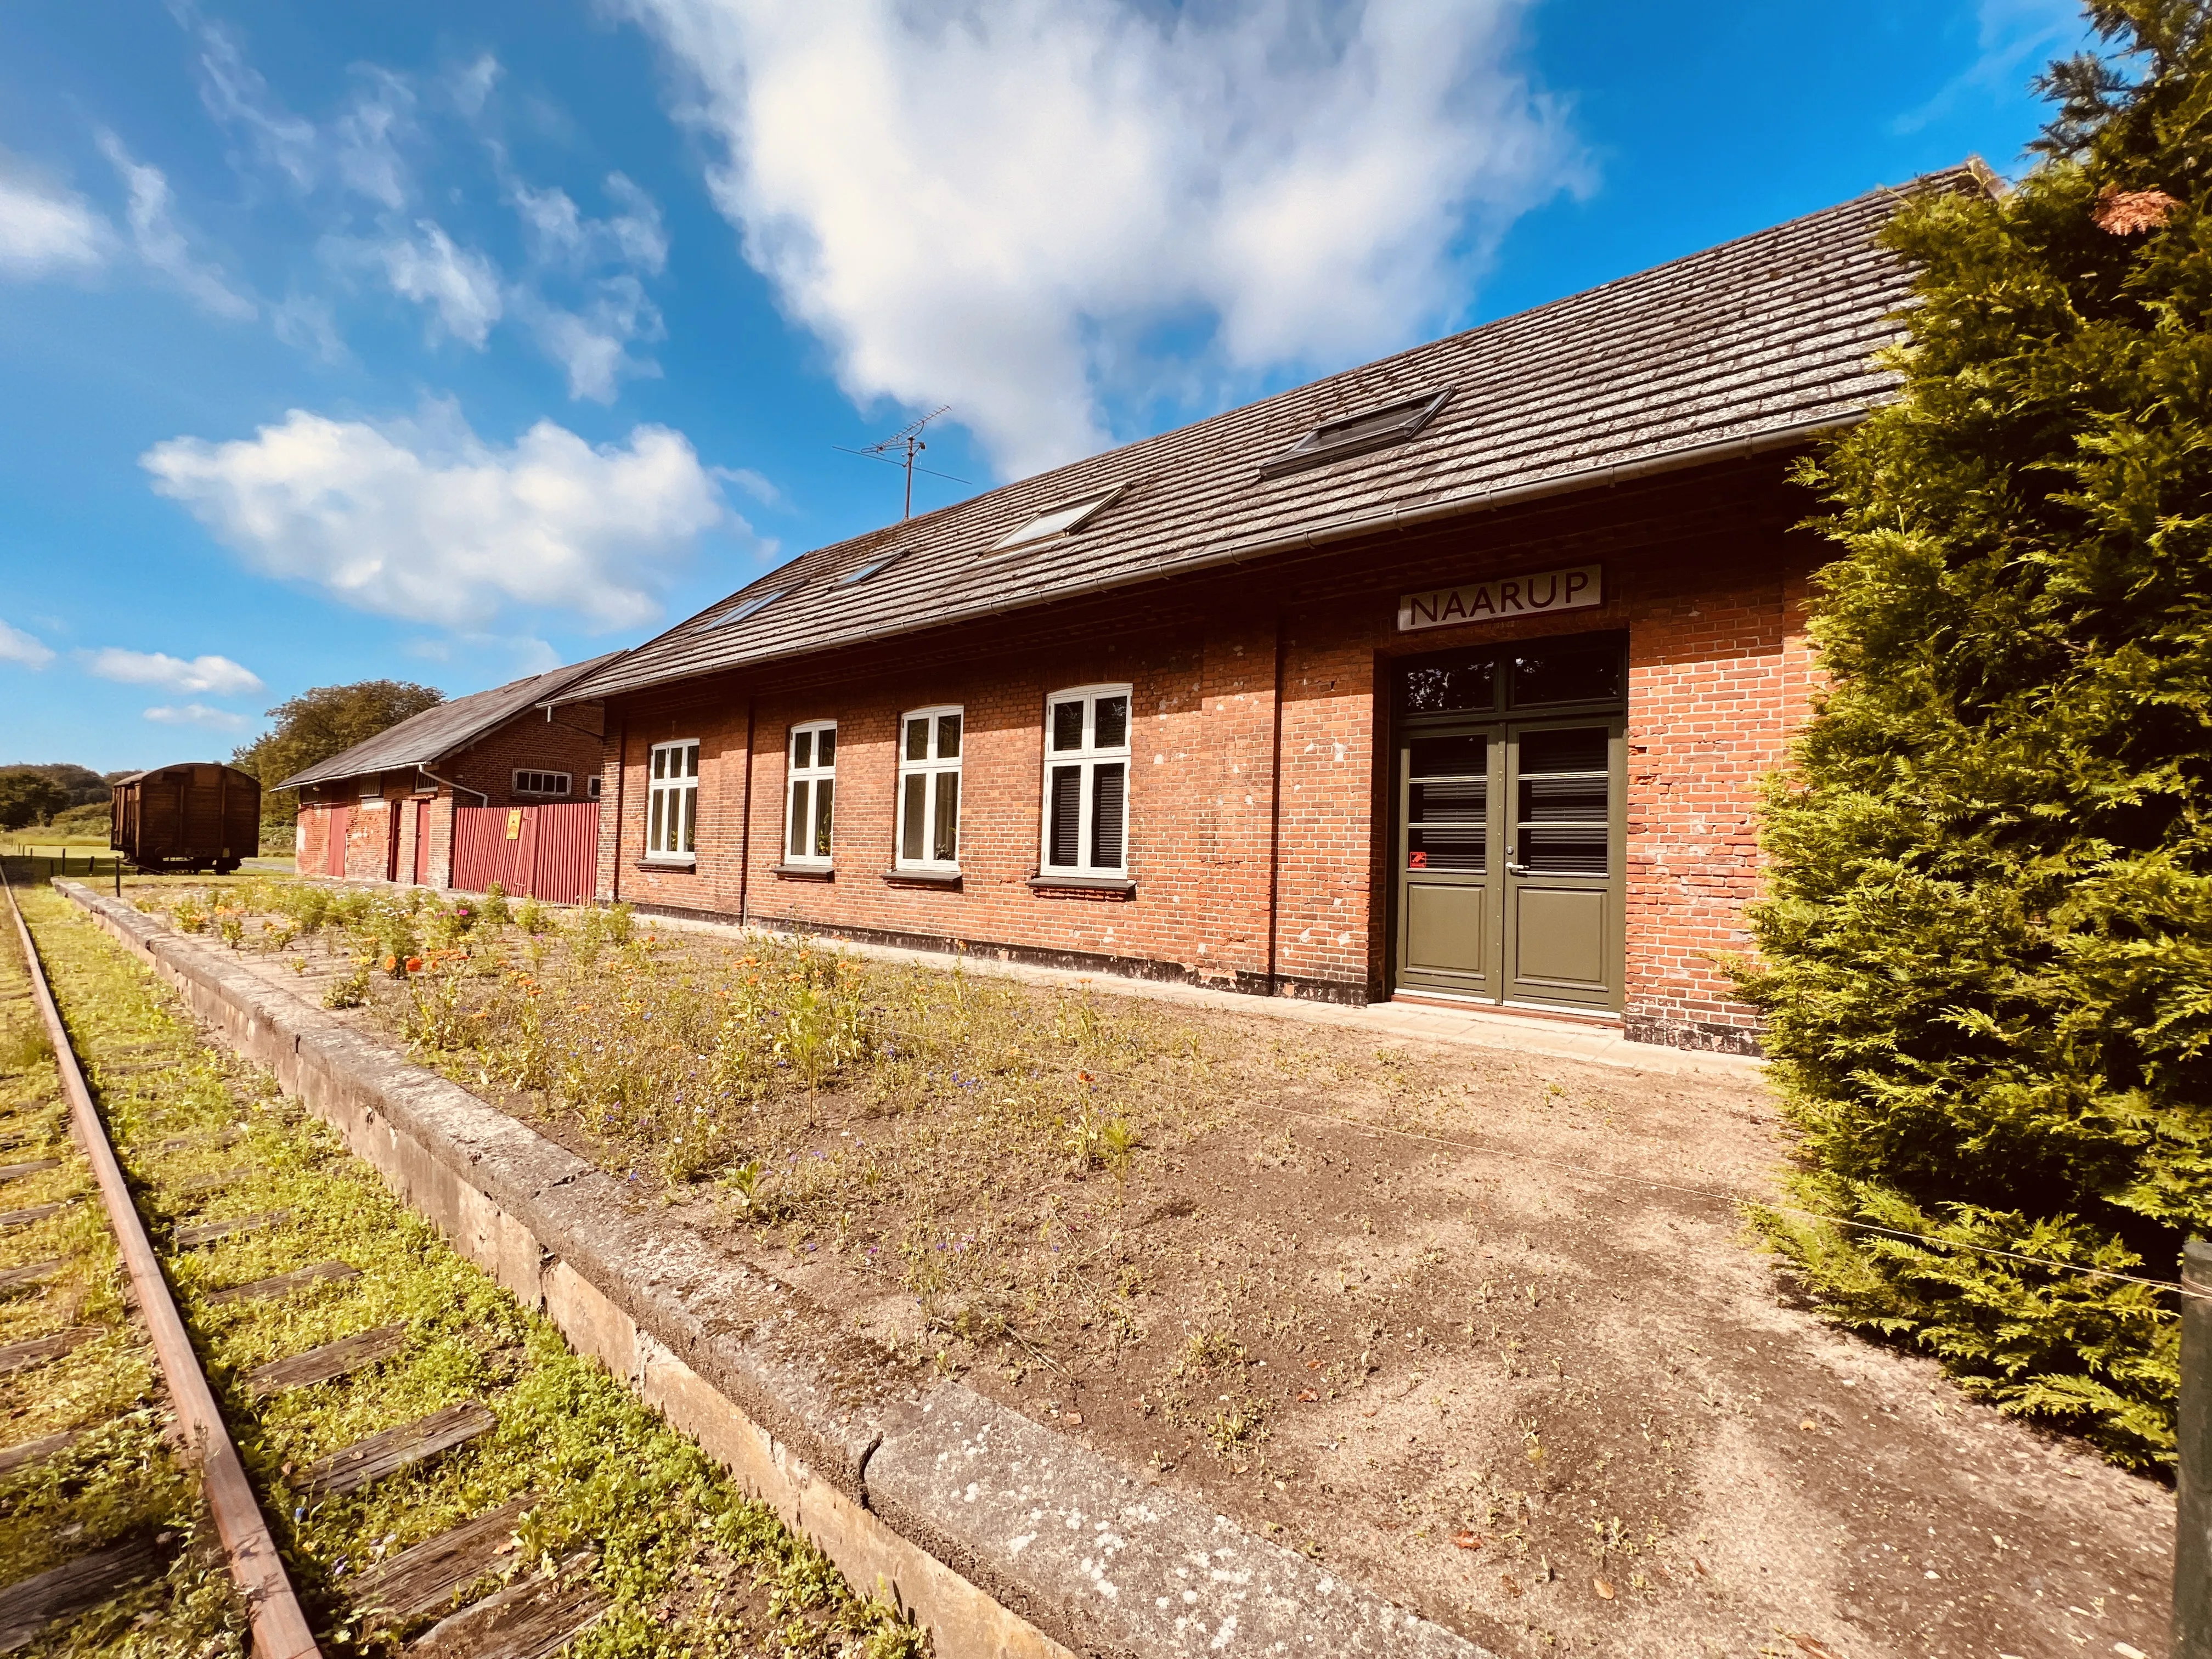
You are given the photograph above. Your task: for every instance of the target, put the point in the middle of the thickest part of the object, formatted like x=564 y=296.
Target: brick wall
x=1260 y=792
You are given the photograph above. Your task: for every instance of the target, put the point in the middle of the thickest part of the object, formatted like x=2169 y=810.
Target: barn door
x=334 y=853
x=421 y=843
x=392 y=841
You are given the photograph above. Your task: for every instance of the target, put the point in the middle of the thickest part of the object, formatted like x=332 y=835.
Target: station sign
x=1503 y=598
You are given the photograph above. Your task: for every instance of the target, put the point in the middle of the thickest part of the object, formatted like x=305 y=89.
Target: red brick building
x=1450 y=677
x=384 y=810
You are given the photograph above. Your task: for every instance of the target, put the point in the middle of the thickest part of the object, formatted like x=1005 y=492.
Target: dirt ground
x=1480 y=1330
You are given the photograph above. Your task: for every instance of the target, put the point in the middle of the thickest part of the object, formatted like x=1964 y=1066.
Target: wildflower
x=414 y=964
x=391 y=963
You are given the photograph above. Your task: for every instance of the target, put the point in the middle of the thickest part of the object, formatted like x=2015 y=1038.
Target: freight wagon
x=198 y=815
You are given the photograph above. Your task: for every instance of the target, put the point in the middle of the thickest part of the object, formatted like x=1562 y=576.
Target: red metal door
x=525 y=853
x=340 y=819
x=421 y=843
x=392 y=841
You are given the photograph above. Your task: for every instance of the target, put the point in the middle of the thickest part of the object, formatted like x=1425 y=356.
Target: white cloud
x=217 y=676
x=2013 y=36
x=304 y=322
x=591 y=344
x=236 y=95
x=161 y=242
x=197 y=713
x=28 y=650
x=44 y=229
x=560 y=235
x=424 y=520
x=459 y=284
x=364 y=140
x=994 y=205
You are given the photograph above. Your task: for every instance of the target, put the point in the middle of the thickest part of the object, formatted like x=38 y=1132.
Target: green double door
x=1510 y=841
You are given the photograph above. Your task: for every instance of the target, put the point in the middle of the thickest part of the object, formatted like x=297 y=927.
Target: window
x=1086 y=781
x=672 y=822
x=813 y=792
x=929 y=790
x=1355 y=434
x=751 y=606
x=1063 y=520
x=874 y=566
x=541 y=783
x=591 y=788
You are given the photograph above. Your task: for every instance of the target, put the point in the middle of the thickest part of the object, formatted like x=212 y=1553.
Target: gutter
x=1394 y=520
x=482 y=799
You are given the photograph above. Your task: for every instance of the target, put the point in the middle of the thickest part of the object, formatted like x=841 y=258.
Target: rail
x=280 y=1626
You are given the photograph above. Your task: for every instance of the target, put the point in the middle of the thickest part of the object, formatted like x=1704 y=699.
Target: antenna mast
x=904 y=444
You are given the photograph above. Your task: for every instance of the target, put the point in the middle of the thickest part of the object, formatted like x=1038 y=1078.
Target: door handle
x=1513 y=869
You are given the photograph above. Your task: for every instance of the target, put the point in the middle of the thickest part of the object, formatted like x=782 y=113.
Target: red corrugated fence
x=550 y=853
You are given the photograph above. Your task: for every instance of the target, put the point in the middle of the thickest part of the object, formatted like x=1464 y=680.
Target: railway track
x=389 y=1453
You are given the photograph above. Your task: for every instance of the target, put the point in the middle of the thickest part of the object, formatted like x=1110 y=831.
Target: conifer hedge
x=1986 y=956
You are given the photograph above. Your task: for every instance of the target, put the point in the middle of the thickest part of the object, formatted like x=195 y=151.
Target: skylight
x=1355 y=434
x=867 y=567
x=751 y=606
x=1063 y=520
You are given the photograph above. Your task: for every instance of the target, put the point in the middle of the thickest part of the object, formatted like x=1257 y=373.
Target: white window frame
x=1089 y=758
x=567 y=780
x=671 y=802
x=935 y=770
x=812 y=777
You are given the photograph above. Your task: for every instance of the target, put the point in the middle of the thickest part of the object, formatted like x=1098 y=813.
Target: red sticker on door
x=1419 y=861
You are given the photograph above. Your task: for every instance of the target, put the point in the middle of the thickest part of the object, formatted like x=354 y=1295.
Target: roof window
x=752 y=606
x=867 y=567
x=1355 y=434
x=1063 y=520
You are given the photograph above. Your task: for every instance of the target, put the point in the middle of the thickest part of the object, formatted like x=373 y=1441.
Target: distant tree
x=1987 y=956
x=28 y=796
x=84 y=786
x=325 y=721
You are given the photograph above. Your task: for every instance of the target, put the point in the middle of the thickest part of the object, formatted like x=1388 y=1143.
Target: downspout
x=1275 y=805
x=621 y=777
x=745 y=823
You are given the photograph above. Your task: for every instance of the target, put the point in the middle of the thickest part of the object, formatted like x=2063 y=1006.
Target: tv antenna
x=905 y=445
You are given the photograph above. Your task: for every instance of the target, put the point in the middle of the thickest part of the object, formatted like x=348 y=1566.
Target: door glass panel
x=1565 y=800
x=1566 y=673
x=1448 y=803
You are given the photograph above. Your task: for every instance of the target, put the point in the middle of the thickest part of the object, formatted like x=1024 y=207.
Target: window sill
x=1084 y=883
x=667 y=864
x=924 y=877
x=803 y=871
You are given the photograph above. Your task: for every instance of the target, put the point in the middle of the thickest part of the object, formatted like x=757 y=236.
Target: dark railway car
x=198 y=815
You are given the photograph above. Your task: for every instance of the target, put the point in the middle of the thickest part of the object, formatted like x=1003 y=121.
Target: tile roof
x=422 y=738
x=1744 y=346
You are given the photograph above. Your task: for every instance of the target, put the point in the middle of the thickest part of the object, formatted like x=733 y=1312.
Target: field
x=1483 y=1331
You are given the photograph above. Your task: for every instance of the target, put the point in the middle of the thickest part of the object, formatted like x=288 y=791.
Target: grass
x=905 y=1121
x=693 y=1565
x=116 y=1480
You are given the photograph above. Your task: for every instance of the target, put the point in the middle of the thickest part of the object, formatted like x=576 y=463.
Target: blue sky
x=450 y=342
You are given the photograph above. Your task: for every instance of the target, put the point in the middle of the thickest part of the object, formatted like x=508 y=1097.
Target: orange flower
x=414 y=964
x=389 y=963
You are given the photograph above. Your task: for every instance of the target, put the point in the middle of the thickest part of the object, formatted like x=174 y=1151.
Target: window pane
x=802 y=749
x=691 y=760
x=917 y=739
x=1445 y=847
x=945 y=842
x=1580 y=673
x=1067 y=815
x=825 y=746
x=660 y=763
x=1564 y=852
x=1106 y=784
x=1578 y=748
x=653 y=831
x=1449 y=758
x=1461 y=800
x=1068 y=726
x=797 y=845
x=822 y=791
x=1563 y=800
x=910 y=831
x=690 y=799
x=948 y=737
x=1441 y=685
x=1113 y=724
